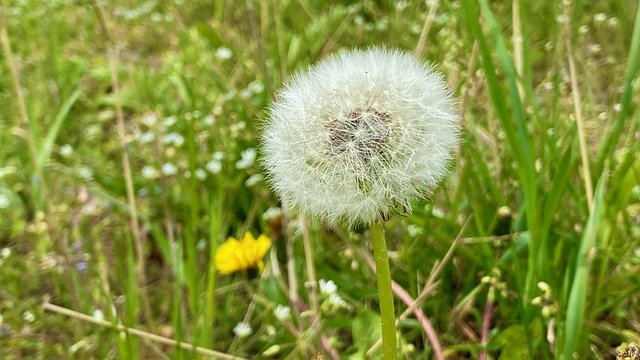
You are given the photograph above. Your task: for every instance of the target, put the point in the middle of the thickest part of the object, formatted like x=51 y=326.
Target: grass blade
x=54 y=130
x=578 y=295
x=610 y=142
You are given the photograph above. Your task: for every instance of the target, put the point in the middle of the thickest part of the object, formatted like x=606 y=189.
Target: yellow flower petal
x=237 y=255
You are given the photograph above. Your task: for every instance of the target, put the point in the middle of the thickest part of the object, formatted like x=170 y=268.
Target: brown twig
x=486 y=326
x=112 y=55
x=577 y=105
x=139 y=333
x=426 y=26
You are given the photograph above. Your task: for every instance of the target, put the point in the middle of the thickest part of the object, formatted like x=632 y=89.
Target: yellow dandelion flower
x=241 y=255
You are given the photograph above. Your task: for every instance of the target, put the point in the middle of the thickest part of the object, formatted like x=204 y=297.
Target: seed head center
x=362 y=132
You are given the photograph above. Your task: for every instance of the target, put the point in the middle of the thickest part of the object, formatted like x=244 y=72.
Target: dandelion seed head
x=360 y=134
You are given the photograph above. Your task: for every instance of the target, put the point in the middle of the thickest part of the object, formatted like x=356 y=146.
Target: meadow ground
x=129 y=153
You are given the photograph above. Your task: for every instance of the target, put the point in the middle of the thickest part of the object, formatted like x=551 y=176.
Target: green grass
x=196 y=79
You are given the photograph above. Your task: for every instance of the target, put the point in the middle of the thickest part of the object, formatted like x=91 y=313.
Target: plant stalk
x=384 y=291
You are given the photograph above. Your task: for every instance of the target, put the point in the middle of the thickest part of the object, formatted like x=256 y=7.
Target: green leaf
x=366 y=331
x=513 y=341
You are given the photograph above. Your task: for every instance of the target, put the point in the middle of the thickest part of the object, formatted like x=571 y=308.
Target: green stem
x=384 y=291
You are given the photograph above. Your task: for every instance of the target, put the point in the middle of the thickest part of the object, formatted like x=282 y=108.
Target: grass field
x=129 y=153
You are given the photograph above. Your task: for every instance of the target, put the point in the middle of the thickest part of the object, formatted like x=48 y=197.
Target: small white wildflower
x=272 y=350
x=5 y=252
x=214 y=166
x=282 y=312
x=245 y=94
x=272 y=213
x=236 y=127
x=28 y=316
x=252 y=180
x=230 y=95
x=617 y=107
x=600 y=17
x=562 y=18
x=173 y=138
x=437 y=212
x=150 y=119
x=66 y=150
x=583 y=29
x=4 y=201
x=337 y=300
x=247 y=158
x=242 y=329
x=218 y=155
x=327 y=287
x=256 y=87
x=149 y=172
x=359 y=135
x=92 y=131
x=594 y=48
x=209 y=120
x=85 y=172
x=169 y=121
x=414 y=230
x=613 y=21
x=200 y=174
x=146 y=137
x=224 y=53
x=98 y=314
x=7 y=170
x=168 y=169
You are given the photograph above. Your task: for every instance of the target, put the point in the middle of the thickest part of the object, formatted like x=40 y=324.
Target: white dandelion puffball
x=360 y=134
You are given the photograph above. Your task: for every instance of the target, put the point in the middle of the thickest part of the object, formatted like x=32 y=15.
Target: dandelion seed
x=327 y=287
x=168 y=169
x=242 y=329
x=242 y=255
x=359 y=135
x=282 y=312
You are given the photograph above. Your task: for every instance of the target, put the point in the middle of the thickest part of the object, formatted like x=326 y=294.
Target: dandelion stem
x=384 y=291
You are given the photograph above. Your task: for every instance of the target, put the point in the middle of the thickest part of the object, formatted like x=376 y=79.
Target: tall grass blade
x=578 y=294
